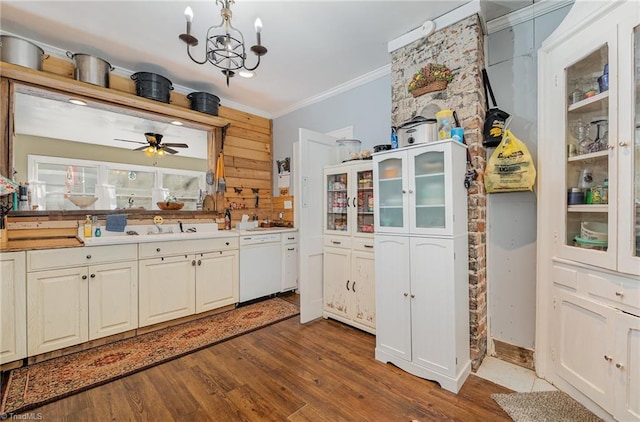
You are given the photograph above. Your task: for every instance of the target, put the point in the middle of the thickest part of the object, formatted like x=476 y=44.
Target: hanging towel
x=116 y=222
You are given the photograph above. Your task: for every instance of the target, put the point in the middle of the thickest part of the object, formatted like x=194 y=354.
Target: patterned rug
x=34 y=385
x=544 y=406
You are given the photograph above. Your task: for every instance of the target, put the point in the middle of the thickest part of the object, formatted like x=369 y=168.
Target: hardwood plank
x=232 y=141
x=321 y=371
x=241 y=152
x=240 y=162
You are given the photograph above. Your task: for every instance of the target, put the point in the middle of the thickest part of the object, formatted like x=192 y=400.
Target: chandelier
x=225 y=44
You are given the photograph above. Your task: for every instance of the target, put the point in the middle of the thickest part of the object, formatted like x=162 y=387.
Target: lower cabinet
x=13 y=307
x=182 y=278
x=422 y=307
x=289 y=261
x=71 y=305
x=596 y=349
x=349 y=286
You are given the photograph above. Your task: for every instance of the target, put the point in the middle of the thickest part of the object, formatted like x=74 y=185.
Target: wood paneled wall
x=247 y=148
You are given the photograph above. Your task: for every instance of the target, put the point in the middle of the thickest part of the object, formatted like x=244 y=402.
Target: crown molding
x=539 y=8
x=339 y=89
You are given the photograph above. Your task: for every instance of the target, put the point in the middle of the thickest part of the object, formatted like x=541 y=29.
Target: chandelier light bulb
x=188 y=14
x=258 y=25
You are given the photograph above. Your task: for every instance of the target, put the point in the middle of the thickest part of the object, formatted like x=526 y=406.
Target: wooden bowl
x=170 y=206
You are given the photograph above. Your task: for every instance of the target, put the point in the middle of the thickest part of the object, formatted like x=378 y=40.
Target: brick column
x=461 y=47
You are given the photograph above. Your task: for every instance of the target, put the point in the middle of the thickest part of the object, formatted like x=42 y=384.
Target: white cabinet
x=421 y=262
x=80 y=294
x=289 y=261
x=349 y=282
x=415 y=189
x=13 y=305
x=181 y=278
x=589 y=206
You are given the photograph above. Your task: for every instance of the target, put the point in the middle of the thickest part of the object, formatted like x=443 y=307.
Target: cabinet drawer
x=617 y=291
x=337 y=241
x=362 y=245
x=290 y=237
x=71 y=257
x=179 y=247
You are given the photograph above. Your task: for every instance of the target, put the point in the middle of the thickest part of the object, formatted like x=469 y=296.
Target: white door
x=312 y=152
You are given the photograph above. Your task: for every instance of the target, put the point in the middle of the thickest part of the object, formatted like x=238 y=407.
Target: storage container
x=19 y=51
x=204 y=102
x=152 y=86
x=91 y=69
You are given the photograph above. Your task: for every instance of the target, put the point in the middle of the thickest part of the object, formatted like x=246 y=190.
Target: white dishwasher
x=260 y=265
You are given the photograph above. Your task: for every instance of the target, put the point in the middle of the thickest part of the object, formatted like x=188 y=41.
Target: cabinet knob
x=623 y=144
x=348 y=202
x=354 y=201
x=353 y=287
x=193 y=263
x=336 y=243
x=199 y=262
x=158 y=250
x=84 y=277
x=412 y=296
x=347 y=284
x=368 y=246
x=619 y=365
x=88 y=256
x=410 y=190
x=404 y=191
x=226 y=243
x=291 y=249
x=619 y=294
x=608 y=358
x=92 y=276
x=405 y=294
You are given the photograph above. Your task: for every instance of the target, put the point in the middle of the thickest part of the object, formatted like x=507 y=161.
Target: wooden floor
x=321 y=371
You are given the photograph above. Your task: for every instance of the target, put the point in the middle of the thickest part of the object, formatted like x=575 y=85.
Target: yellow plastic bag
x=510 y=168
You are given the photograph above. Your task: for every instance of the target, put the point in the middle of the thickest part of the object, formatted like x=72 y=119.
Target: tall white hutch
x=588 y=304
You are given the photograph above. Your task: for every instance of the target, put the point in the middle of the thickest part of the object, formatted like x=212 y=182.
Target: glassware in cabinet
x=336 y=202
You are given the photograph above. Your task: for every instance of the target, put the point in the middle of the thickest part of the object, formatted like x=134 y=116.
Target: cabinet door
x=586 y=118
x=57 y=303
x=337 y=283
x=584 y=346
x=13 y=307
x=429 y=191
x=113 y=298
x=432 y=304
x=390 y=198
x=629 y=144
x=289 y=266
x=393 y=304
x=336 y=200
x=217 y=280
x=363 y=288
x=362 y=204
x=627 y=372
x=167 y=289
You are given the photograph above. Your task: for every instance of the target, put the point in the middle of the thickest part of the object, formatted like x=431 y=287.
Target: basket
x=590 y=230
x=433 y=86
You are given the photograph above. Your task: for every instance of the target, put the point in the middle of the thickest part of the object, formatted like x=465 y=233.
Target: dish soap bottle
x=97 y=231
x=88 y=228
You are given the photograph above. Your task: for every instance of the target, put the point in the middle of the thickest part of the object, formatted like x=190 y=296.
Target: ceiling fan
x=154 y=145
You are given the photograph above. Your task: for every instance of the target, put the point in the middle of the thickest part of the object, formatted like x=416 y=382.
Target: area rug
x=544 y=406
x=34 y=385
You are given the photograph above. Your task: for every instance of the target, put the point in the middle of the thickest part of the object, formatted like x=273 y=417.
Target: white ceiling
x=314 y=46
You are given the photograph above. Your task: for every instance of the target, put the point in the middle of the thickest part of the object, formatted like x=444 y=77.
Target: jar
x=596 y=195
x=575 y=196
x=604 y=195
x=445 y=123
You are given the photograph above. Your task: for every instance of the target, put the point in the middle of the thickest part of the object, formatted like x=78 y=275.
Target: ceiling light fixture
x=77 y=102
x=224 y=44
x=177 y=123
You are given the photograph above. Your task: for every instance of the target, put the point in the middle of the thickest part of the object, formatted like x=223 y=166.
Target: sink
x=149 y=233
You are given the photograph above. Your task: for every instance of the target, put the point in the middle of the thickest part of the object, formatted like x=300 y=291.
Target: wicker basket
x=433 y=86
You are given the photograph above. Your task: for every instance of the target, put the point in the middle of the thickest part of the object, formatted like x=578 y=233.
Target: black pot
x=384 y=147
x=204 y=102
x=152 y=86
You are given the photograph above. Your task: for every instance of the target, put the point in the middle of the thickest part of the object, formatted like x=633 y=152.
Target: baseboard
x=514 y=354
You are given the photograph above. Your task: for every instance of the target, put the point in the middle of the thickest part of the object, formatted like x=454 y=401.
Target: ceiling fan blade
x=126 y=140
x=169 y=150
x=175 y=145
x=141 y=148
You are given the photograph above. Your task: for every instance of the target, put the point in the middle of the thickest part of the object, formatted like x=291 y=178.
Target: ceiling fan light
x=161 y=152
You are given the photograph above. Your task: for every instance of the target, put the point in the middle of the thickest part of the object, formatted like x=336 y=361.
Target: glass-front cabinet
x=349 y=198
x=601 y=194
x=415 y=188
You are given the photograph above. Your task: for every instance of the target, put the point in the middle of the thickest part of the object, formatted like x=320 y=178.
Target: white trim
x=346 y=86
x=539 y=8
x=344 y=133
x=466 y=10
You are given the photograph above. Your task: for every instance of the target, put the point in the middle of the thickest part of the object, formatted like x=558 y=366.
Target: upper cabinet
x=349 y=199
x=590 y=142
x=416 y=188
